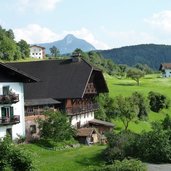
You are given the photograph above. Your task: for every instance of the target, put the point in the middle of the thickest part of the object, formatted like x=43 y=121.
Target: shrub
x=124 y=165
x=158 y=101
x=21 y=160
x=13 y=157
x=56 y=127
x=142 y=104
x=166 y=122
x=154 y=146
x=119 y=146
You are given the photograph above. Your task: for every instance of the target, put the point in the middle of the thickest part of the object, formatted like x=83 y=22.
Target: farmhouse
x=12 y=119
x=165 y=68
x=37 y=52
x=69 y=85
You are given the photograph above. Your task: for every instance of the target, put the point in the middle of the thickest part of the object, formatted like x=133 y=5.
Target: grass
x=78 y=159
x=149 y=83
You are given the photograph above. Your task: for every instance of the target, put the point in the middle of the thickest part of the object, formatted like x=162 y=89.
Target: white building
x=165 y=68
x=37 y=52
x=12 y=119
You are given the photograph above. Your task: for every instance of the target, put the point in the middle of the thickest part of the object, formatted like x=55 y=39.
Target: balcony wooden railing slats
x=83 y=109
x=10 y=120
x=9 y=99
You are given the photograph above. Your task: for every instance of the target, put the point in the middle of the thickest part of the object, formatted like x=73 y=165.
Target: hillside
x=150 y=54
x=68 y=45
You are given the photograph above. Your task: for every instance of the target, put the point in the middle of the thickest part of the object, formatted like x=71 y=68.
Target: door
x=9 y=132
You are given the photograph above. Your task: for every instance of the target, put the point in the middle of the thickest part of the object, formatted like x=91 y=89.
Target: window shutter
x=11 y=111
x=3 y=112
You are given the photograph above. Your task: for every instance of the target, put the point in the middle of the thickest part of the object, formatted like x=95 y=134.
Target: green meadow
x=78 y=159
x=149 y=83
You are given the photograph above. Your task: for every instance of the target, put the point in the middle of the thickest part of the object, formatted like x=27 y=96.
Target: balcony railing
x=10 y=120
x=9 y=99
x=83 y=109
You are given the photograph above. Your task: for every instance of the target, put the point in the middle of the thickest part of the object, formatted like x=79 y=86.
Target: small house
x=37 y=52
x=165 y=68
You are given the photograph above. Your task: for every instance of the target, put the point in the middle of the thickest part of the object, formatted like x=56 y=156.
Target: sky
x=105 y=24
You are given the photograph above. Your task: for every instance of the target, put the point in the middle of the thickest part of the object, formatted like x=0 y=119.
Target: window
x=32 y=129
x=36 y=53
x=30 y=109
x=7 y=112
x=32 y=53
x=84 y=115
x=5 y=90
x=39 y=53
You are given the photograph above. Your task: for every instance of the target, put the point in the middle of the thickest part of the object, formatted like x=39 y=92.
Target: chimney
x=76 y=57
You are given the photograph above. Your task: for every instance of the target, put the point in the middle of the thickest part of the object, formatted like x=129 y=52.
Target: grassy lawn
x=149 y=83
x=78 y=159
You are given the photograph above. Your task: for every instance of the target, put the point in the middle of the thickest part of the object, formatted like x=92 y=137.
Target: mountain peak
x=68 y=44
x=69 y=38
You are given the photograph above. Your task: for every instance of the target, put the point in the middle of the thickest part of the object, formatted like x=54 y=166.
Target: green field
x=78 y=159
x=149 y=83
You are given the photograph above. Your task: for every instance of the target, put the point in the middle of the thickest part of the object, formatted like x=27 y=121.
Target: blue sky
x=104 y=23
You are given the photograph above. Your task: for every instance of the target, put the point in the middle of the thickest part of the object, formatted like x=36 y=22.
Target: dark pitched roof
x=165 y=66
x=100 y=122
x=13 y=74
x=35 y=102
x=84 y=132
x=60 y=79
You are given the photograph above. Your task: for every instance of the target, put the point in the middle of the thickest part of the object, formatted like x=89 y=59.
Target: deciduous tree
x=135 y=74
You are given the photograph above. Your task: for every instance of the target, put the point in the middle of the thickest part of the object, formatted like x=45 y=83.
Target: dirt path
x=159 y=167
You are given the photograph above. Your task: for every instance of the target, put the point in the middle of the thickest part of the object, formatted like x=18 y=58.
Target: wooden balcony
x=10 y=120
x=83 y=109
x=9 y=99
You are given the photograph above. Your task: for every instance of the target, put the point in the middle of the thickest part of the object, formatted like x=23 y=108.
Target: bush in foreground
x=14 y=158
x=153 y=146
x=124 y=165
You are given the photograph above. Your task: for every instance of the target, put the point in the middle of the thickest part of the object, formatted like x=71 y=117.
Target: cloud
x=161 y=21
x=124 y=38
x=37 y=5
x=34 y=33
x=87 y=35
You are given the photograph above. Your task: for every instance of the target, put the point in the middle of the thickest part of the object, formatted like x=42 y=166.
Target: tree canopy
x=135 y=74
x=9 y=49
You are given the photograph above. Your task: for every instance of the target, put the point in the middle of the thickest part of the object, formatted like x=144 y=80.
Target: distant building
x=37 y=52
x=165 y=68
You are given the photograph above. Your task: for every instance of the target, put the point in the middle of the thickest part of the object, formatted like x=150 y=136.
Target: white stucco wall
x=167 y=73
x=82 y=118
x=18 y=110
x=36 y=52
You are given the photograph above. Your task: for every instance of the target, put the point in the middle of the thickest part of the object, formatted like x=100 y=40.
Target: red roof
x=38 y=46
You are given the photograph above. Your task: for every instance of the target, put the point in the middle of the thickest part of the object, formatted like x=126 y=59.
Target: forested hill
x=150 y=54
